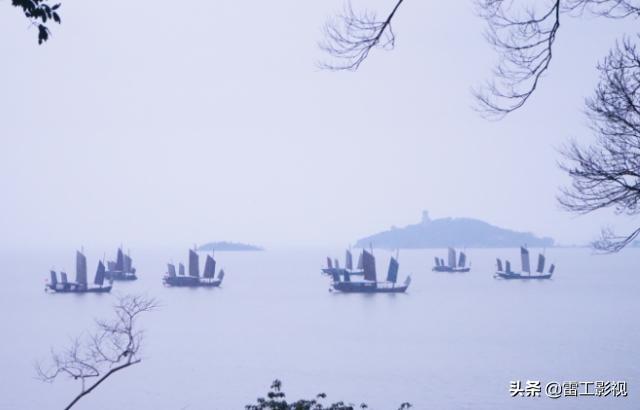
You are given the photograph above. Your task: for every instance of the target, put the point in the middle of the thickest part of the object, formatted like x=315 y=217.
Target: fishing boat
x=526 y=274
x=343 y=283
x=333 y=267
x=453 y=265
x=80 y=285
x=193 y=279
x=122 y=268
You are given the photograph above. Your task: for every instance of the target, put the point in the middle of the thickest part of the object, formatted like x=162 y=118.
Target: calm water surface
x=452 y=342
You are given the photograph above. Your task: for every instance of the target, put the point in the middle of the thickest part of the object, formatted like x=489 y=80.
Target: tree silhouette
x=113 y=347
x=607 y=174
x=39 y=13
x=276 y=400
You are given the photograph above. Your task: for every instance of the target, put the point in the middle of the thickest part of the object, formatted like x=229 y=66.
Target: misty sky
x=164 y=123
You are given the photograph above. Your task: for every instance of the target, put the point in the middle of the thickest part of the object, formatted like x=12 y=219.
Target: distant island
x=228 y=246
x=457 y=232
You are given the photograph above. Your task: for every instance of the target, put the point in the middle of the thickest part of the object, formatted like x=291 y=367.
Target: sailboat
x=80 y=285
x=370 y=284
x=333 y=267
x=453 y=264
x=122 y=268
x=507 y=273
x=193 y=279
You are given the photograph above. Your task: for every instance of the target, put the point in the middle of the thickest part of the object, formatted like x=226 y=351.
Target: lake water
x=453 y=341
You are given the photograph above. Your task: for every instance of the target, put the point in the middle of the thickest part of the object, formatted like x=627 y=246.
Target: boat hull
x=118 y=275
x=190 y=282
x=519 y=276
x=367 y=287
x=447 y=269
x=76 y=289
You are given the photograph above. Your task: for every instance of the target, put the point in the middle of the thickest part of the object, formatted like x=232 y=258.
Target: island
x=456 y=232
x=228 y=246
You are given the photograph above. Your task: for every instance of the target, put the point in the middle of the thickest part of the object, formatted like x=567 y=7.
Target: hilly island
x=457 y=232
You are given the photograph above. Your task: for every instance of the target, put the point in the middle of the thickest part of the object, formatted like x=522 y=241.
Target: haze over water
x=453 y=341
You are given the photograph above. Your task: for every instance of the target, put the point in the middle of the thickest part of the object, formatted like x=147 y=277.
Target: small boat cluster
x=122 y=270
x=81 y=284
x=193 y=279
x=343 y=281
x=525 y=273
x=361 y=279
x=343 y=278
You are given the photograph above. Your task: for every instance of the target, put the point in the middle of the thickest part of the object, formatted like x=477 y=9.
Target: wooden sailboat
x=193 y=279
x=343 y=283
x=80 y=285
x=333 y=267
x=525 y=274
x=453 y=265
x=122 y=268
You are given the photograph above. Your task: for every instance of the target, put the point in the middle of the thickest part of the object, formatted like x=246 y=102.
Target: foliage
x=276 y=400
x=39 y=12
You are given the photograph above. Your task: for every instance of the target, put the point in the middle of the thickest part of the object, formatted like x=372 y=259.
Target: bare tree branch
x=350 y=37
x=607 y=174
x=113 y=347
x=525 y=43
x=523 y=32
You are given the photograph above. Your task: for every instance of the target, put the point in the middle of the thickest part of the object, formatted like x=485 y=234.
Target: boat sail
x=122 y=268
x=454 y=265
x=193 y=279
x=370 y=284
x=525 y=273
x=348 y=260
x=81 y=284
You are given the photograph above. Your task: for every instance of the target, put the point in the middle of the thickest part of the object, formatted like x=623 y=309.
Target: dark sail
x=359 y=265
x=437 y=260
x=209 y=268
x=524 y=254
x=180 y=269
x=392 y=274
x=347 y=276
x=552 y=268
x=335 y=275
x=81 y=268
x=63 y=278
x=221 y=275
x=462 y=260
x=499 y=262
x=171 y=269
x=349 y=260
x=507 y=267
x=452 y=258
x=441 y=262
x=128 y=264
x=119 y=261
x=194 y=264
x=54 y=278
x=369 y=266
x=99 y=279
x=336 y=263
x=540 y=263
x=111 y=265
x=329 y=263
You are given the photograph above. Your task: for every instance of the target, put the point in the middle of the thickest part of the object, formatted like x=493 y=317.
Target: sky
x=154 y=123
